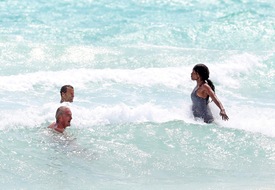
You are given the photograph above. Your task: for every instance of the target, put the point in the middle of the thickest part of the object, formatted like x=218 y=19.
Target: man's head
x=67 y=93
x=63 y=116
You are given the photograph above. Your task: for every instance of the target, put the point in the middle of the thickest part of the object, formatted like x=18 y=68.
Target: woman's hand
x=223 y=115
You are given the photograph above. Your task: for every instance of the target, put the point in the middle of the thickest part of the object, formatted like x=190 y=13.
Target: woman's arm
x=215 y=99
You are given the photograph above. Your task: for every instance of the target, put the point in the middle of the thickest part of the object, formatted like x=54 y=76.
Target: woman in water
x=202 y=92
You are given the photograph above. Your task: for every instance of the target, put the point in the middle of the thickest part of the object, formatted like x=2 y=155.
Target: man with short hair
x=67 y=93
x=63 y=118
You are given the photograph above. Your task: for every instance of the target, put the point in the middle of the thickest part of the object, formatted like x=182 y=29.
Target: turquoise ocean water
x=130 y=63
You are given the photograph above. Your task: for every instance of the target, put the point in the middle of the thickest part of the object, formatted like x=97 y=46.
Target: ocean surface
x=130 y=62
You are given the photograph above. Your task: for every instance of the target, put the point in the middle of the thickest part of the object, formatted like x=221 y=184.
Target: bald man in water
x=63 y=118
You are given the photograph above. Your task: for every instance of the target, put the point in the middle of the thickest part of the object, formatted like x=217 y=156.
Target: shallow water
x=130 y=64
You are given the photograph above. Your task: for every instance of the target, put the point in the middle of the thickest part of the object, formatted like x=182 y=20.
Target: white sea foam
x=170 y=77
x=43 y=86
x=253 y=119
x=87 y=117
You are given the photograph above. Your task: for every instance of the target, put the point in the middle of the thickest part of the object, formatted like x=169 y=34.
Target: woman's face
x=194 y=75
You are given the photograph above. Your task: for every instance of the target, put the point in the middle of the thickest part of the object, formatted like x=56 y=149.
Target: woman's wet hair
x=204 y=73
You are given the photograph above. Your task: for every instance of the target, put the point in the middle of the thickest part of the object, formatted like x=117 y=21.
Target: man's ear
x=60 y=118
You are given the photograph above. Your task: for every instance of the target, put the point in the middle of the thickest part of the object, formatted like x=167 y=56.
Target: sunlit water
x=130 y=64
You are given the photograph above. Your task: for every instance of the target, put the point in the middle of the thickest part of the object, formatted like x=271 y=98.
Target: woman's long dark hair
x=204 y=73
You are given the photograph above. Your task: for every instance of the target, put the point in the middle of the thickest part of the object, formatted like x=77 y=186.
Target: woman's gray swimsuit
x=200 y=107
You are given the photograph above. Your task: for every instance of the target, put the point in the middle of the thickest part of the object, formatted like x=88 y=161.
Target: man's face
x=66 y=118
x=68 y=96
